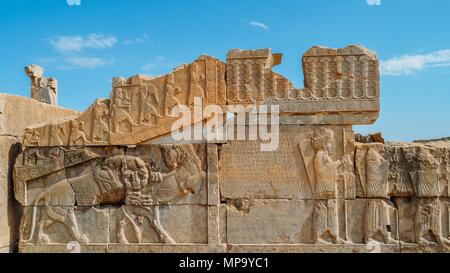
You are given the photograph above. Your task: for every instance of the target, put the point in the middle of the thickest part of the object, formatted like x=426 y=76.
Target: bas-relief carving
x=77 y=179
x=140 y=108
x=342 y=85
x=326 y=191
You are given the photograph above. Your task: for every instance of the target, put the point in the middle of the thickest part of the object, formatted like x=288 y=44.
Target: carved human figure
x=55 y=132
x=326 y=222
x=196 y=91
x=99 y=127
x=428 y=227
x=171 y=91
x=376 y=174
x=424 y=177
x=120 y=108
x=148 y=99
x=33 y=157
x=325 y=217
x=425 y=174
x=325 y=168
x=375 y=185
x=77 y=135
x=377 y=222
x=31 y=137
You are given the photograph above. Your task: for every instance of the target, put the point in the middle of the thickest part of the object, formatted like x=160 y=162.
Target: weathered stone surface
x=63 y=248
x=42 y=89
x=371 y=221
x=343 y=81
x=421 y=170
x=269 y=222
x=360 y=221
x=288 y=172
x=313 y=248
x=9 y=211
x=39 y=228
x=13 y=122
x=140 y=108
x=16 y=113
x=184 y=224
x=120 y=166
x=424 y=221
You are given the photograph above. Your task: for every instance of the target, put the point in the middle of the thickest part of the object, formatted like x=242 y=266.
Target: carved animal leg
x=155 y=223
x=71 y=224
x=123 y=223
x=43 y=238
x=121 y=234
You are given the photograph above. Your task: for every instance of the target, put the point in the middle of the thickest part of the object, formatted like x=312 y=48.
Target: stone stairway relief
x=113 y=180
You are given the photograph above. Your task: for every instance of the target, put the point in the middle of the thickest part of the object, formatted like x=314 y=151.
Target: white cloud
x=258 y=25
x=157 y=63
x=137 y=40
x=74 y=2
x=408 y=64
x=78 y=43
x=374 y=2
x=88 y=62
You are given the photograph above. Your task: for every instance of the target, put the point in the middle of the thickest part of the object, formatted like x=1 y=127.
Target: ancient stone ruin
x=115 y=179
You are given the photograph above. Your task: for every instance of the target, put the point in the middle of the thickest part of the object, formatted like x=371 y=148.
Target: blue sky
x=85 y=45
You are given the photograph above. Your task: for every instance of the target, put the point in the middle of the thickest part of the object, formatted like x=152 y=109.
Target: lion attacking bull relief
x=137 y=185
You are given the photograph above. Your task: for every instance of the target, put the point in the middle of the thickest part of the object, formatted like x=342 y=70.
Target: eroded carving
x=42 y=89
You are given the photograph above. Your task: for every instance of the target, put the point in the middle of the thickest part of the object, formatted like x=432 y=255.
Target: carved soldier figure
x=55 y=131
x=325 y=167
x=171 y=90
x=33 y=157
x=120 y=108
x=377 y=219
x=424 y=177
x=99 y=128
x=77 y=135
x=196 y=91
x=428 y=225
x=148 y=113
x=31 y=137
x=325 y=218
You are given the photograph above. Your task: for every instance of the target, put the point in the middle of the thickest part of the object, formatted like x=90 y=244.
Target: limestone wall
x=119 y=168
x=17 y=113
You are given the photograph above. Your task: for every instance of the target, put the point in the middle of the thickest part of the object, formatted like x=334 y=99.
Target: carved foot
x=342 y=241
x=321 y=241
x=167 y=239
x=122 y=239
x=43 y=239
